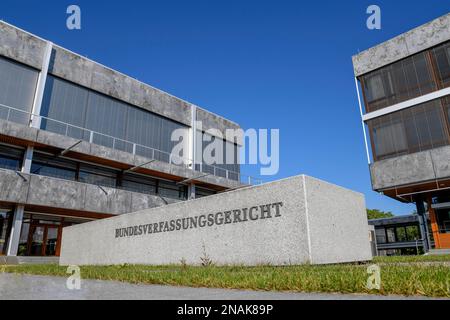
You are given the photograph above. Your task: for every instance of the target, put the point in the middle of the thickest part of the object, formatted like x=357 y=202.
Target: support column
x=39 y=94
x=423 y=223
x=14 y=238
x=193 y=148
x=191 y=191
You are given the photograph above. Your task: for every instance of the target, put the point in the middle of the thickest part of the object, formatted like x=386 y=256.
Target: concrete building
x=405 y=86
x=80 y=142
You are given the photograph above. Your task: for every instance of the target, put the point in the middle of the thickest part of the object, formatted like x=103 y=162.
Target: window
x=172 y=190
x=110 y=118
x=390 y=232
x=229 y=150
x=10 y=157
x=17 y=88
x=415 y=129
x=202 y=192
x=52 y=166
x=137 y=183
x=98 y=176
x=381 y=235
x=400 y=81
x=441 y=56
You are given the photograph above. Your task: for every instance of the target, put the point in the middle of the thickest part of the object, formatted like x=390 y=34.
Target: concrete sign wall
x=292 y=221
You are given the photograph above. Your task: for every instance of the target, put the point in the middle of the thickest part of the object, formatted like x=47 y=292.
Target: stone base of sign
x=292 y=221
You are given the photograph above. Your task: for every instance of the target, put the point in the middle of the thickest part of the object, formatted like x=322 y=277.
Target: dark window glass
x=172 y=190
x=51 y=166
x=400 y=81
x=98 y=176
x=390 y=232
x=411 y=130
x=116 y=124
x=441 y=56
x=136 y=183
x=381 y=235
x=10 y=157
x=202 y=192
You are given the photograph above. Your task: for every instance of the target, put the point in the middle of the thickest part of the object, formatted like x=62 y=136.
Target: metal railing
x=25 y=117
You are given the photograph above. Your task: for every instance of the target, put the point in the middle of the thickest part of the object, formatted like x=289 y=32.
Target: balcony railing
x=72 y=131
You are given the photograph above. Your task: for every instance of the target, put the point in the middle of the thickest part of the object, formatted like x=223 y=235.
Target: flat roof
x=421 y=38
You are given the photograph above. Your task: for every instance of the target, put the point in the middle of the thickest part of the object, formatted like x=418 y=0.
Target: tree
x=377 y=214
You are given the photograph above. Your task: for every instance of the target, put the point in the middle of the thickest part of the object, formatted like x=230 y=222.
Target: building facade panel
x=409 y=43
x=21 y=46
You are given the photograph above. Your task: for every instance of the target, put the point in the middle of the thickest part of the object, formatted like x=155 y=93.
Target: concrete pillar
x=193 y=148
x=14 y=238
x=191 y=191
x=39 y=94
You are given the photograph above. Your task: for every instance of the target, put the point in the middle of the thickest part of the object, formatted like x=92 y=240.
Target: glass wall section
x=55 y=167
x=97 y=175
x=138 y=183
x=10 y=157
x=17 y=89
x=441 y=56
x=415 y=129
x=6 y=219
x=115 y=124
x=66 y=103
x=62 y=168
x=169 y=189
x=400 y=81
x=202 y=192
x=228 y=149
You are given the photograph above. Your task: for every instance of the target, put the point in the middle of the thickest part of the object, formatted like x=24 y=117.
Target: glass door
x=51 y=240
x=36 y=240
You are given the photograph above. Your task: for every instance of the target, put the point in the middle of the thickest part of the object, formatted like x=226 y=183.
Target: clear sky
x=264 y=64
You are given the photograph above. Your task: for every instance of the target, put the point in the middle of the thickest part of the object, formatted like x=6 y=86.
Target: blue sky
x=264 y=64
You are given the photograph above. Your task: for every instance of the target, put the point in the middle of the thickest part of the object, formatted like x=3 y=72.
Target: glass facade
x=414 y=129
x=406 y=79
x=17 y=88
x=86 y=109
x=41 y=234
x=441 y=56
x=62 y=168
x=11 y=157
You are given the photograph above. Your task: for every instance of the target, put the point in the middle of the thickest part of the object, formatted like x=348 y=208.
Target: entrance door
x=43 y=240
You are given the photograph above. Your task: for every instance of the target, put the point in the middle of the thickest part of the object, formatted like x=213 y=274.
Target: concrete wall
x=317 y=223
x=402 y=46
x=411 y=169
x=29 y=189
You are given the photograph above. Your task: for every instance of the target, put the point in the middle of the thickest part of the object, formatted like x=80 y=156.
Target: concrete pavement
x=30 y=287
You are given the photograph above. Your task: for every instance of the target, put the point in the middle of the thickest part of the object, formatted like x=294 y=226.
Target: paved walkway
x=26 y=287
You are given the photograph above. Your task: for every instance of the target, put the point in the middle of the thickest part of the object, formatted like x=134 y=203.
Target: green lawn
x=399 y=275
